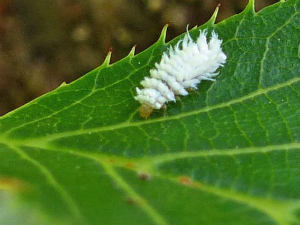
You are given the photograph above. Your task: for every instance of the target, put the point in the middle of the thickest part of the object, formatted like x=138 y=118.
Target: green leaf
x=226 y=155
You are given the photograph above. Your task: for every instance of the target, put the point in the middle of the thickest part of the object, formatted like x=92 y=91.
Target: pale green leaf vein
x=163 y=158
x=147 y=208
x=266 y=205
x=264 y=57
x=252 y=95
x=74 y=209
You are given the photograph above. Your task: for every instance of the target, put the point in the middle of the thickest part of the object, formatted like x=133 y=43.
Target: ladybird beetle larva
x=182 y=67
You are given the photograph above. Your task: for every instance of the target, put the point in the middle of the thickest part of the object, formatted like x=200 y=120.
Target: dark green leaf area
x=263 y=52
x=227 y=153
x=33 y=182
x=73 y=186
x=182 y=205
x=263 y=120
x=256 y=174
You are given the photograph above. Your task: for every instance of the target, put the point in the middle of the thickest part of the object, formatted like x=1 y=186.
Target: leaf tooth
x=193 y=28
x=213 y=18
x=162 y=38
x=63 y=84
x=132 y=51
x=107 y=58
x=250 y=7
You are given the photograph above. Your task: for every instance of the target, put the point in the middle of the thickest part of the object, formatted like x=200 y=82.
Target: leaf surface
x=226 y=155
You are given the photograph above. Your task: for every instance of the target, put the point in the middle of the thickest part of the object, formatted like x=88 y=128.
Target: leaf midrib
x=51 y=137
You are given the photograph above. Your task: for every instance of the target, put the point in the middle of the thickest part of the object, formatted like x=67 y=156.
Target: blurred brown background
x=46 y=42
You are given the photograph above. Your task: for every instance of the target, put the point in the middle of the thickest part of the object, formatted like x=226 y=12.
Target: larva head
x=145 y=111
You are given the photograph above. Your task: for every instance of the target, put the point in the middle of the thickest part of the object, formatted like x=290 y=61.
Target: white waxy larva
x=183 y=67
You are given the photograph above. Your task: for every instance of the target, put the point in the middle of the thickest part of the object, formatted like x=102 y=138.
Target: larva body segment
x=183 y=67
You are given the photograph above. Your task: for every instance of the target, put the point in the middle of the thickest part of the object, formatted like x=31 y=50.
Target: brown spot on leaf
x=185 y=180
x=132 y=201
x=130 y=165
x=13 y=184
x=112 y=161
x=144 y=176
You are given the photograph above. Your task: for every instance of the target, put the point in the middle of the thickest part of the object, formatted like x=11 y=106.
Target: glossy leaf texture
x=227 y=154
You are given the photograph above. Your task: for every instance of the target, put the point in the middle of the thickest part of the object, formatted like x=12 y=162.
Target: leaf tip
x=163 y=34
x=63 y=84
x=250 y=6
x=213 y=18
x=108 y=57
x=132 y=51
